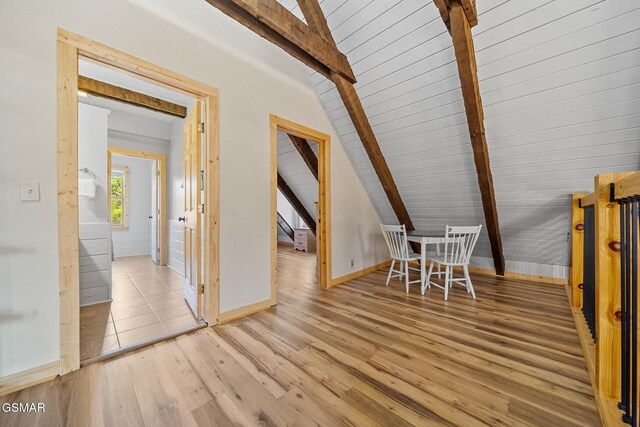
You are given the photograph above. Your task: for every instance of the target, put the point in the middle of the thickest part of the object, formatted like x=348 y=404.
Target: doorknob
x=181 y=218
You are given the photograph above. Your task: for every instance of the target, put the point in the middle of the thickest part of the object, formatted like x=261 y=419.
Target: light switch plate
x=30 y=191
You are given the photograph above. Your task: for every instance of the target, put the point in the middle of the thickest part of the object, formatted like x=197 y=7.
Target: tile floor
x=147 y=303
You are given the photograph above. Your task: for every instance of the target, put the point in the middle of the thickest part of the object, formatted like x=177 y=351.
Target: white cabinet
x=304 y=240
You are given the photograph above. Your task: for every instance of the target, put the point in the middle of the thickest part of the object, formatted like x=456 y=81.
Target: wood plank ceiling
x=555 y=78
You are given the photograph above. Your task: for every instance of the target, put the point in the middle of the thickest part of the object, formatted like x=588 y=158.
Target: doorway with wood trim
x=144 y=293
x=158 y=191
x=201 y=182
x=310 y=212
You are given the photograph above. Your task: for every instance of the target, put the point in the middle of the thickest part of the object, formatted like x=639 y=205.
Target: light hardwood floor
x=148 y=303
x=357 y=354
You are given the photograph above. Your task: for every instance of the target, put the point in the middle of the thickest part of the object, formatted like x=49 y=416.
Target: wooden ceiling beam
x=297 y=205
x=469 y=7
x=120 y=94
x=467 y=71
x=470 y=11
x=307 y=154
x=272 y=21
x=315 y=18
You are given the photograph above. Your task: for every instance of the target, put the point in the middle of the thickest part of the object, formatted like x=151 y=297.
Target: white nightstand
x=304 y=240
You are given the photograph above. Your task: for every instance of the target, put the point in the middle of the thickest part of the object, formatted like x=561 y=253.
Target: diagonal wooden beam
x=468 y=74
x=272 y=21
x=360 y=121
x=288 y=193
x=117 y=93
x=315 y=18
x=307 y=154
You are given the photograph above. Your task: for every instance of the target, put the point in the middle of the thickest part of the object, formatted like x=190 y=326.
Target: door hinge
x=201 y=289
x=201 y=207
x=201 y=127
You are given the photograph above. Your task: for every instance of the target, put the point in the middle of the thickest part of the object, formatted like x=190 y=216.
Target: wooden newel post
x=577 y=253
x=607 y=275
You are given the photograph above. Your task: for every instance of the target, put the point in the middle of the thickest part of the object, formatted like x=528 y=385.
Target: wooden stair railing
x=604 y=291
x=284 y=225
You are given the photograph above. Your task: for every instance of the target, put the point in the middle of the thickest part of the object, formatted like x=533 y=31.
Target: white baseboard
x=528 y=268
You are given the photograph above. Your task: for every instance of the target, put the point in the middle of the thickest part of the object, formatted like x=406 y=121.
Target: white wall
x=94 y=226
x=128 y=124
x=190 y=37
x=92 y=154
x=136 y=239
x=135 y=132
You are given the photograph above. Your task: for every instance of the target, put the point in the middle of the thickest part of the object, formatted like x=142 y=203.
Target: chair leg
x=446 y=282
x=393 y=262
x=401 y=271
x=468 y=280
x=406 y=277
x=439 y=266
x=425 y=285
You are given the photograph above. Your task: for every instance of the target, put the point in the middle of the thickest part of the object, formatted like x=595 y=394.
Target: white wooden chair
x=396 y=238
x=458 y=247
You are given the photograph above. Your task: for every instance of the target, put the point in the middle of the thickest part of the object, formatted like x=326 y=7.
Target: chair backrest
x=459 y=243
x=396 y=238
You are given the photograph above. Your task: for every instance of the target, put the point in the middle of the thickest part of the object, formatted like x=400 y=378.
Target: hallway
x=148 y=303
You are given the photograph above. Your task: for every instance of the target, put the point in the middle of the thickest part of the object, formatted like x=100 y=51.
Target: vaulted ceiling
x=560 y=86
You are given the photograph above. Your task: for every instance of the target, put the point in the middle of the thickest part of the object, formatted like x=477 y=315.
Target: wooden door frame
x=70 y=48
x=162 y=168
x=323 y=231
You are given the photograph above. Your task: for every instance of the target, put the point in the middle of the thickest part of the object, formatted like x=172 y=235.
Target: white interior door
x=154 y=213
x=192 y=213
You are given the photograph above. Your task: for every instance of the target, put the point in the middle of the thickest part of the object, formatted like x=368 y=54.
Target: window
x=119 y=196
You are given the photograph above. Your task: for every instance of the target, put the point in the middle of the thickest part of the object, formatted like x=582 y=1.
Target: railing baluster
x=624 y=305
x=634 y=311
x=629 y=309
x=589 y=285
